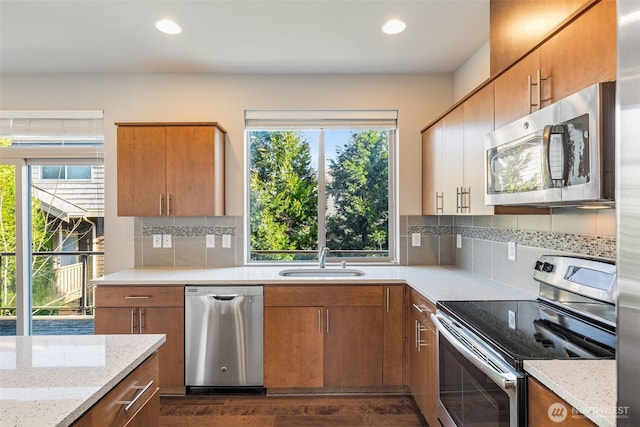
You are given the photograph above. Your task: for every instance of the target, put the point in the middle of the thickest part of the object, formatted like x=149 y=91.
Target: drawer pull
x=420 y=308
x=131 y=403
x=138 y=297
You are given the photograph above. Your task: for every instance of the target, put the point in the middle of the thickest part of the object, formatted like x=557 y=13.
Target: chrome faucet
x=322 y=254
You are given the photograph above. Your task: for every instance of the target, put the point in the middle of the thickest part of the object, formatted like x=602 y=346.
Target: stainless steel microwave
x=562 y=154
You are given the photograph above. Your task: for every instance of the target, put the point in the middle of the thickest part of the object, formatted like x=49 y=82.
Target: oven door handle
x=504 y=380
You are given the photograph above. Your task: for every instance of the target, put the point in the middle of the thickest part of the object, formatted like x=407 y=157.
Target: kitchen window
x=320 y=179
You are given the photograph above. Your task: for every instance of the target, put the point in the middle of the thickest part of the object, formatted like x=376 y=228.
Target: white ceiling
x=239 y=36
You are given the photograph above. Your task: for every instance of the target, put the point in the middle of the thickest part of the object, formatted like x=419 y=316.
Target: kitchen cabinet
x=562 y=65
x=330 y=336
x=453 y=158
x=442 y=164
x=134 y=402
x=147 y=310
x=518 y=26
x=431 y=164
x=393 y=336
x=170 y=169
x=541 y=402
x=583 y=53
x=421 y=350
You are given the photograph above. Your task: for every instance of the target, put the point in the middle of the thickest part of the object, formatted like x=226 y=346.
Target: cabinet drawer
x=323 y=296
x=110 y=410
x=139 y=296
x=421 y=306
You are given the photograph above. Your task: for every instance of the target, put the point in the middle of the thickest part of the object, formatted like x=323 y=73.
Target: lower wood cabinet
x=147 y=310
x=421 y=360
x=331 y=336
x=134 y=402
x=547 y=408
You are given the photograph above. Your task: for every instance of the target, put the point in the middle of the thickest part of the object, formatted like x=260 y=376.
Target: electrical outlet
x=166 y=240
x=512 y=319
x=459 y=241
x=211 y=241
x=226 y=240
x=157 y=240
x=415 y=239
x=511 y=251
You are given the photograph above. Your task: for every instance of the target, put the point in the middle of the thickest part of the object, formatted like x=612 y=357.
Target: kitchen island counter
x=51 y=380
x=587 y=385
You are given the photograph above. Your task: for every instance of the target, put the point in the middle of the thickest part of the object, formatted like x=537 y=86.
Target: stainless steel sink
x=321 y=272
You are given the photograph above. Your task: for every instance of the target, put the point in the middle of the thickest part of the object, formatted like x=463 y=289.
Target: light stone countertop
x=433 y=282
x=51 y=380
x=587 y=385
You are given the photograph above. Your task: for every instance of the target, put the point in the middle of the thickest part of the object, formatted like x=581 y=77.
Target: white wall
x=472 y=73
x=223 y=98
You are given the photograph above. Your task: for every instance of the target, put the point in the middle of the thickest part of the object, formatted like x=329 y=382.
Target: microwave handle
x=545 y=167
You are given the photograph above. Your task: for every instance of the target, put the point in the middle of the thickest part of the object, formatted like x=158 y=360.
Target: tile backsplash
x=483 y=240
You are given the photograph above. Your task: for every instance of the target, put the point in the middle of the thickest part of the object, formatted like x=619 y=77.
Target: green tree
x=43 y=277
x=359 y=188
x=284 y=194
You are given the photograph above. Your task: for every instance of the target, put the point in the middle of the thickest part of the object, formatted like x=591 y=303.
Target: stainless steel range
x=482 y=345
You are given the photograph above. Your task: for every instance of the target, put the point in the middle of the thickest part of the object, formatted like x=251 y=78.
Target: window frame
x=278 y=120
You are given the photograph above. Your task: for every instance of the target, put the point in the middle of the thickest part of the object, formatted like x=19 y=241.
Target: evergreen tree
x=284 y=193
x=359 y=189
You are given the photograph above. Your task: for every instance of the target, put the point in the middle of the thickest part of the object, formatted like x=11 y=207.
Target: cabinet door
x=191 y=172
x=478 y=121
x=151 y=320
x=430 y=390
x=141 y=170
x=513 y=95
x=169 y=321
x=353 y=347
x=393 y=339
x=582 y=54
x=452 y=158
x=431 y=170
x=293 y=347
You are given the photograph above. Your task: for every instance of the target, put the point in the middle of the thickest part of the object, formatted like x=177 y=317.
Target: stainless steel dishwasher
x=224 y=336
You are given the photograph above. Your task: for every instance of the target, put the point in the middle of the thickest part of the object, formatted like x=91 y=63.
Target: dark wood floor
x=290 y=411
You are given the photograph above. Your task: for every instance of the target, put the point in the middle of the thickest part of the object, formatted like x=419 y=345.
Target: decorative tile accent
x=587 y=245
x=187 y=231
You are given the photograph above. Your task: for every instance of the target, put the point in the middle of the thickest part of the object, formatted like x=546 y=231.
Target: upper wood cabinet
x=174 y=169
x=516 y=27
x=582 y=54
x=453 y=152
x=579 y=55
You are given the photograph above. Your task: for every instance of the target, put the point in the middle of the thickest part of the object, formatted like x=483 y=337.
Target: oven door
x=475 y=385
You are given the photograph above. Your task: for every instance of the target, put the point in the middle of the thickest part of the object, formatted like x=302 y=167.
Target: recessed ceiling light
x=394 y=26
x=167 y=26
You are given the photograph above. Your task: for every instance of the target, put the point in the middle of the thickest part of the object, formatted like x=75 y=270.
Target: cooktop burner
x=533 y=329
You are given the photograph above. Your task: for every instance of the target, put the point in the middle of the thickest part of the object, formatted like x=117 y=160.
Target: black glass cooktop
x=534 y=330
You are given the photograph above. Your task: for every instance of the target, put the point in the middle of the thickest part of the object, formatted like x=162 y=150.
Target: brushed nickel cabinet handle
x=137 y=297
x=320 y=321
x=168 y=204
x=133 y=319
x=141 y=391
x=161 y=204
x=140 y=320
x=327 y=320
x=388 y=297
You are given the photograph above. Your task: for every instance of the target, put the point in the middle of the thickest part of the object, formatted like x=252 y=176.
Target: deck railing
x=71 y=282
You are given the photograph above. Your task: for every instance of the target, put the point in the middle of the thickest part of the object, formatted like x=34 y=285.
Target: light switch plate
x=157 y=240
x=415 y=239
x=226 y=240
x=511 y=251
x=459 y=241
x=211 y=241
x=166 y=240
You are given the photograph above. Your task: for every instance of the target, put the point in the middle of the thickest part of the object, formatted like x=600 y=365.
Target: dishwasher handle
x=224 y=297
